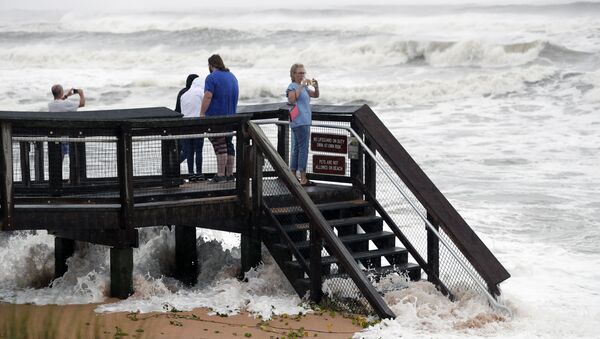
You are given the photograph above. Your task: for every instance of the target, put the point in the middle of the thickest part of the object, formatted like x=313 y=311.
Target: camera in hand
x=75 y=91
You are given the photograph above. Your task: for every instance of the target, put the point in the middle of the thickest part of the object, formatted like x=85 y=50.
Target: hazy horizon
x=183 y=5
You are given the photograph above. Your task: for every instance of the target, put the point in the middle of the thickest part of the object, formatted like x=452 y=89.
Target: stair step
x=339 y=205
x=335 y=223
x=357 y=256
x=412 y=270
x=348 y=239
x=368 y=254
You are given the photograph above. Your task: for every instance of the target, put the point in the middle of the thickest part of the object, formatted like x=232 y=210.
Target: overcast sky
x=182 y=5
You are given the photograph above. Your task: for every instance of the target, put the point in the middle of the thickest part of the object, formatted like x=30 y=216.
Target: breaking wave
x=158 y=48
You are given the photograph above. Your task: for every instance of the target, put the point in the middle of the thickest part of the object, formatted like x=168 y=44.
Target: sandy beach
x=81 y=321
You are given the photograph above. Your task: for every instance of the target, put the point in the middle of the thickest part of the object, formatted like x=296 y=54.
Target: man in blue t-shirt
x=220 y=98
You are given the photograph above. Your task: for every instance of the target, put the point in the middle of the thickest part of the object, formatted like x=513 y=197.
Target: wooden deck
x=200 y=204
x=107 y=205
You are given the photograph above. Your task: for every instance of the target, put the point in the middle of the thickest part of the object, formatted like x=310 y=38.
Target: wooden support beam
x=121 y=272
x=25 y=166
x=39 y=161
x=370 y=169
x=316 y=246
x=63 y=250
x=356 y=165
x=218 y=213
x=77 y=163
x=370 y=172
x=186 y=255
x=171 y=171
x=6 y=176
x=241 y=170
x=283 y=137
x=250 y=241
x=108 y=237
x=433 y=248
x=55 y=168
x=125 y=171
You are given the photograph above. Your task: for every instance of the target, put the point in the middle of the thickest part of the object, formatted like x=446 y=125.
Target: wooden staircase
x=356 y=226
x=315 y=234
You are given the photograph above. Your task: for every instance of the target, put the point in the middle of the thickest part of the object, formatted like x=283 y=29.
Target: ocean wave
x=247 y=50
x=558 y=53
x=466 y=53
x=566 y=9
x=406 y=21
x=483 y=54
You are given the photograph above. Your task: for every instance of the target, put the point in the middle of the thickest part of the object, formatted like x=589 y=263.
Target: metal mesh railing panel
x=147 y=158
x=342 y=294
x=412 y=225
x=400 y=210
x=101 y=159
x=98 y=176
x=16 y=155
x=452 y=273
x=195 y=176
x=18 y=171
x=100 y=163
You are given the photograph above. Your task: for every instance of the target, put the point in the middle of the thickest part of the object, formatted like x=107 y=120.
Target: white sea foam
x=26 y=278
x=424 y=313
x=266 y=291
x=35 y=254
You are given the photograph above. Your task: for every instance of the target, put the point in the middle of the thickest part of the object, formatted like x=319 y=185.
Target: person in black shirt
x=188 y=84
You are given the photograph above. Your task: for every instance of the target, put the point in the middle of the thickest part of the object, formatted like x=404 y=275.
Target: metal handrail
x=428 y=224
x=134 y=138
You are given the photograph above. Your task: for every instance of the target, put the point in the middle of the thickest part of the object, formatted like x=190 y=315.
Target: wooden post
x=242 y=178
x=370 y=171
x=186 y=255
x=121 y=270
x=250 y=242
x=63 y=250
x=316 y=245
x=125 y=171
x=283 y=137
x=171 y=171
x=6 y=176
x=433 y=249
x=356 y=165
x=55 y=168
x=39 y=161
x=25 y=166
x=77 y=163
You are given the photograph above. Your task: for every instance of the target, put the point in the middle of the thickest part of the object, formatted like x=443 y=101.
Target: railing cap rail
x=95 y=115
x=257 y=111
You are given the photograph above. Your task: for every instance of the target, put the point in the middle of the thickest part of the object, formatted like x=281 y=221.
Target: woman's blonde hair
x=293 y=70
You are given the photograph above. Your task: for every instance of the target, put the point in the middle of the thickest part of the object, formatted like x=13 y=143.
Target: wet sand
x=80 y=321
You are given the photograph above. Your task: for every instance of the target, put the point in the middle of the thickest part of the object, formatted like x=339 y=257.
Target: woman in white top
x=190 y=106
